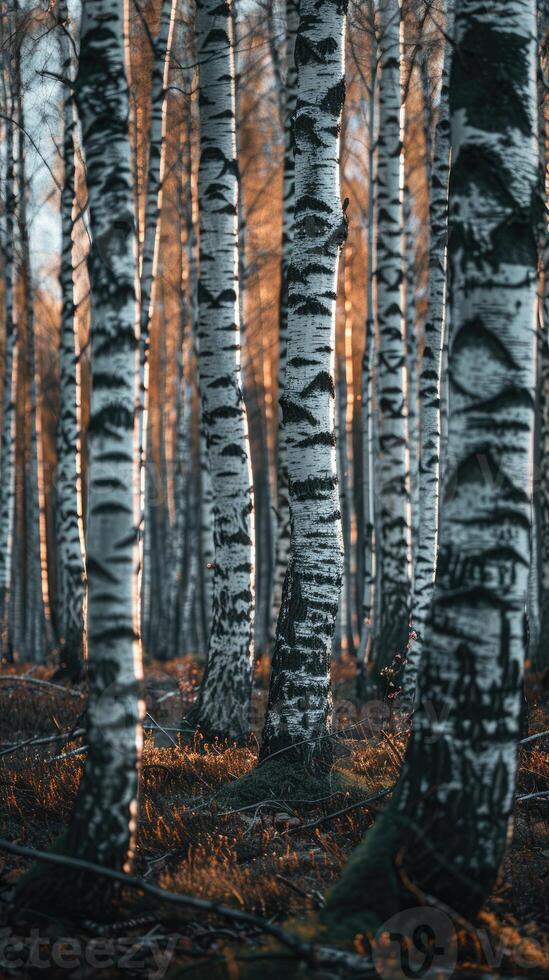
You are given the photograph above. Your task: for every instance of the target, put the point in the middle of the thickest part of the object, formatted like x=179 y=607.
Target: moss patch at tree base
x=290 y=783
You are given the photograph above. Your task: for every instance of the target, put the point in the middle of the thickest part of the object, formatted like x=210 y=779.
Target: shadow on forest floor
x=272 y=846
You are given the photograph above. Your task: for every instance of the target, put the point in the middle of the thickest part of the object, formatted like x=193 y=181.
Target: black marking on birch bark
x=103 y=823
x=224 y=699
x=299 y=697
x=448 y=820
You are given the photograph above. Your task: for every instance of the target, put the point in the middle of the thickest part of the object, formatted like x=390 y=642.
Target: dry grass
x=195 y=837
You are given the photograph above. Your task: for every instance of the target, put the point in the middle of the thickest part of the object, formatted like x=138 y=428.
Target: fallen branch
x=339 y=813
x=314 y=955
x=532 y=738
x=42 y=740
x=24 y=679
x=533 y=796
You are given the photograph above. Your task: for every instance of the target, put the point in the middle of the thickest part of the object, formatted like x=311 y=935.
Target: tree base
x=282 y=782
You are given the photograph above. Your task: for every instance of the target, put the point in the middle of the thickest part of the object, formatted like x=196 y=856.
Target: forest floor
x=209 y=829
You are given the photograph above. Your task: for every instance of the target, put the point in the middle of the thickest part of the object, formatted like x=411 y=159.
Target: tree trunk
x=541 y=484
x=369 y=454
x=225 y=695
x=391 y=631
x=7 y=483
x=70 y=530
x=288 y=204
x=446 y=826
x=148 y=275
x=37 y=628
x=430 y=379
x=102 y=828
x=299 y=707
x=411 y=373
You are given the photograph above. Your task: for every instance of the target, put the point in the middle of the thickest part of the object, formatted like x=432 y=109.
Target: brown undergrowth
x=275 y=853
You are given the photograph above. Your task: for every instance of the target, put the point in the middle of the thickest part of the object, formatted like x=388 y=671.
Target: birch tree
x=369 y=429
x=430 y=377
x=448 y=820
x=225 y=694
x=391 y=631
x=7 y=470
x=69 y=527
x=102 y=828
x=299 y=707
x=37 y=637
x=288 y=204
x=149 y=258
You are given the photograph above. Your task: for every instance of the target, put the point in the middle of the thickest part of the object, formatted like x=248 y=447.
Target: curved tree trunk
x=225 y=694
x=288 y=204
x=69 y=526
x=102 y=828
x=430 y=378
x=299 y=705
x=391 y=631
x=448 y=821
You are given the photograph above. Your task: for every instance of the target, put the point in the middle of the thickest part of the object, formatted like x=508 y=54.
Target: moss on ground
x=289 y=783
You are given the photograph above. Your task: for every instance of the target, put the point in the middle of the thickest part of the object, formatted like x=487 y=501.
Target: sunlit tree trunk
x=70 y=531
x=225 y=694
x=446 y=826
x=282 y=502
x=7 y=461
x=299 y=707
x=391 y=631
x=430 y=378
x=102 y=828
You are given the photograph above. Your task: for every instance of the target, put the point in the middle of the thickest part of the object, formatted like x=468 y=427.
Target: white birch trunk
x=447 y=824
x=300 y=704
x=391 y=631
x=225 y=695
x=368 y=382
x=430 y=378
x=69 y=519
x=104 y=820
x=7 y=471
x=288 y=204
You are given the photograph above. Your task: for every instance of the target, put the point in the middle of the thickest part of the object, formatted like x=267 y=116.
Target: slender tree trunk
x=288 y=204
x=225 y=695
x=391 y=631
x=102 y=828
x=148 y=273
x=346 y=606
x=368 y=380
x=7 y=481
x=411 y=374
x=446 y=826
x=299 y=706
x=70 y=529
x=430 y=379
x=37 y=636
